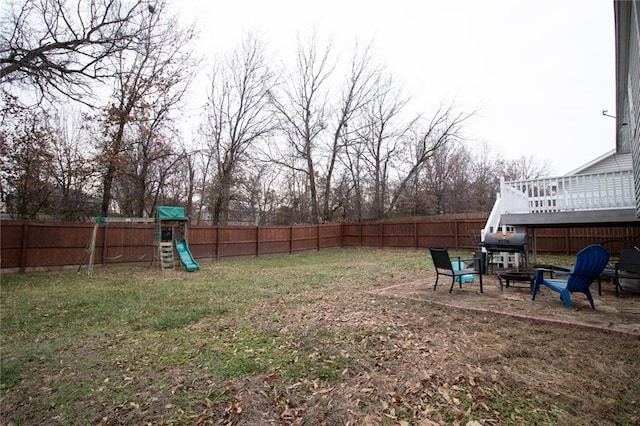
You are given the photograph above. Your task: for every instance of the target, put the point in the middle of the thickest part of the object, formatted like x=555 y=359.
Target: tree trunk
x=106 y=190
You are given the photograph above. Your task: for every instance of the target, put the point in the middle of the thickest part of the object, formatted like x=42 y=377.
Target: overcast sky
x=539 y=73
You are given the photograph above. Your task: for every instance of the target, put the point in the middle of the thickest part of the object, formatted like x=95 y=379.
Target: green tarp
x=170 y=213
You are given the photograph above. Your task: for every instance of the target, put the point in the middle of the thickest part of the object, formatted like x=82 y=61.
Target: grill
x=511 y=242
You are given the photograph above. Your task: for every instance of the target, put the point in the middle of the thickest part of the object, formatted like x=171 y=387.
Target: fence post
x=104 y=243
x=24 y=246
x=291 y=240
x=217 y=242
x=456 y=236
x=258 y=241
x=318 y=236
x=535 y=247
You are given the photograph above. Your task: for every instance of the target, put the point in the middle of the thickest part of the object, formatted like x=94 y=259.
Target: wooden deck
x=606 y=198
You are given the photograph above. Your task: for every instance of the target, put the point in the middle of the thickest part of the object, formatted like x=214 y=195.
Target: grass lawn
x=291 y=340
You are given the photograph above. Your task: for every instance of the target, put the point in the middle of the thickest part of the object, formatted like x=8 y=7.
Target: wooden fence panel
x=399 y=235
x=554 y=240
x=237 y=241
x=12 y=238
x=32 y=245
x=305 y=238
x=437 y=234
x=352 y=235
x=203 y=241
x=468 y=233
x=549 y=240
x=274 y=240
x=371 y=234
x=331 y=235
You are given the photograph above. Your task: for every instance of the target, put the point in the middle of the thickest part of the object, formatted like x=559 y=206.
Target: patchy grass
x=291 y=340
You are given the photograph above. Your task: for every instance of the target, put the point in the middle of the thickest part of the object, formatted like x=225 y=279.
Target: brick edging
x=521 y=317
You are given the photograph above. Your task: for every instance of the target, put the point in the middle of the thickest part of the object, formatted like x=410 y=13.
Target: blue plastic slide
x=185 y=256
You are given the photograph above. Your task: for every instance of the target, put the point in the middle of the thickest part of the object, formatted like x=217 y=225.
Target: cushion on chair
x=457 y=266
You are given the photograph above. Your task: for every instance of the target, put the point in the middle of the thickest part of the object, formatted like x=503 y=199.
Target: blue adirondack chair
x=590 y=262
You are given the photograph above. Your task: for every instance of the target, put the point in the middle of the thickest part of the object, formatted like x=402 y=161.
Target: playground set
x=169 y=238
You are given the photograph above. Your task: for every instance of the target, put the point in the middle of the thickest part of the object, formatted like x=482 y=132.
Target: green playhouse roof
x=170 y=213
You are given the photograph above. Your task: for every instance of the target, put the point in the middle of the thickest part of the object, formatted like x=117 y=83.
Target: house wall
x=627 y=21
x=633 y=92
x=636 y=171
x=613 y=163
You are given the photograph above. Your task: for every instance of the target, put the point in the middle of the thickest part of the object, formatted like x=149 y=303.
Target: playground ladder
x=166 y=255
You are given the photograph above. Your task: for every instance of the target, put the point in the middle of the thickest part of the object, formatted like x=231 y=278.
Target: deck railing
x=599 y=191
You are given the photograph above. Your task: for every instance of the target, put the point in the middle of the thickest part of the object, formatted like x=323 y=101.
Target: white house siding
x=636 y=173
x=628 y=85
x=613 y=163
x=633 y=74
x=633 y=90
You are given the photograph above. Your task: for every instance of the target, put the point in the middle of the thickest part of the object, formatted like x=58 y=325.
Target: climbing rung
x=166 y=255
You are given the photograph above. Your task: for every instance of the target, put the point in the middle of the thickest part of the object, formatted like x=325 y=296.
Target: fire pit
x=518 y=276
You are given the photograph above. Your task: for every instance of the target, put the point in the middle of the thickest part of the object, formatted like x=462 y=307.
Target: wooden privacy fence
x=572 y=240
x=34 y=245
x=42 y=245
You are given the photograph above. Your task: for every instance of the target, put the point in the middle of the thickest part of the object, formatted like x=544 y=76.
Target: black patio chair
x=627 y=266
x=444 y=266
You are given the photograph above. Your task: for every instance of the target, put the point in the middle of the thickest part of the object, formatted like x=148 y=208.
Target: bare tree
x=444 y=128
x=414 y=200
x=150 y=83
x=524 y=168
x=381 y=134
x=484 y=179
x=73 y=172
x=303 y=114
x=357 y=92
x=200 y=162
x=25 y=160
x=143 y=173
x=153 y=155
x=188 y=164
x=295 y=198
x=174 y=182
x=238 y=117
x=445 y=179
x=354 y=180
x=256 y=196
x=60 y=47
x=437 y=180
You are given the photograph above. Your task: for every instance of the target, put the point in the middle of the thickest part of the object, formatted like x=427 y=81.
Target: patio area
x=617 y=315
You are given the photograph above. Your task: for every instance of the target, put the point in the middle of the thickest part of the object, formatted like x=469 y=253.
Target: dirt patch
x=613 y=314
x=415 y=356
